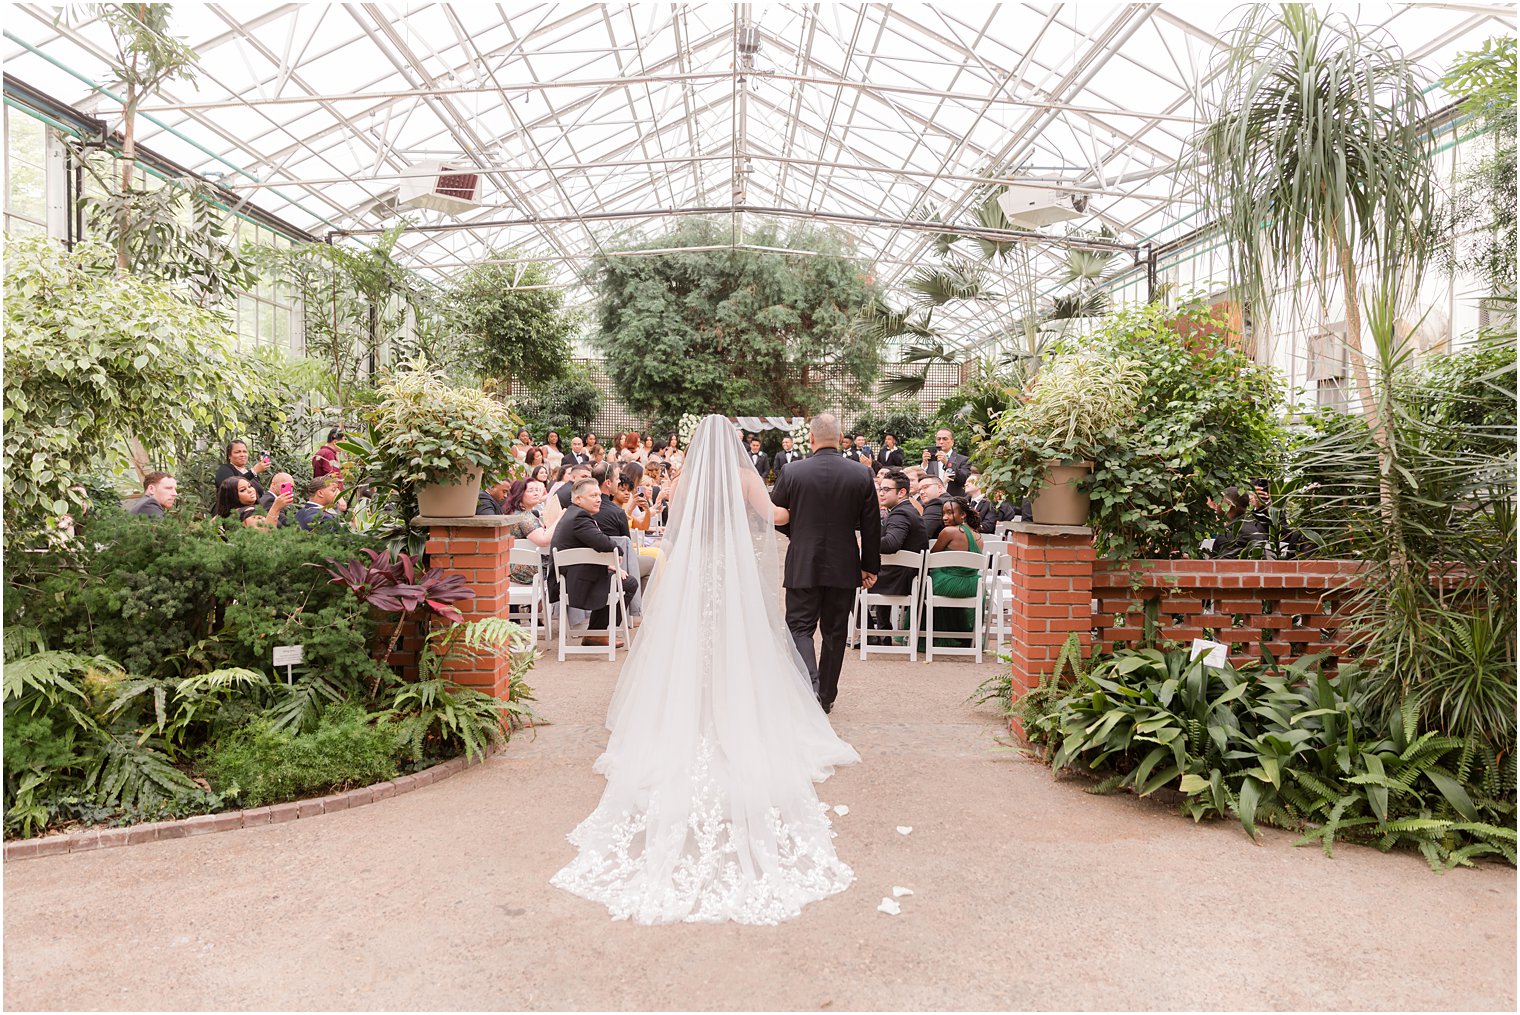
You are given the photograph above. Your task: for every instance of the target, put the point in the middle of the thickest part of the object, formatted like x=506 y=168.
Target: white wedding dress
x=709 y=812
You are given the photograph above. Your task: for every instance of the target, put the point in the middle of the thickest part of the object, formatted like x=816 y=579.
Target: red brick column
x=477 y=548
x=1052 y=572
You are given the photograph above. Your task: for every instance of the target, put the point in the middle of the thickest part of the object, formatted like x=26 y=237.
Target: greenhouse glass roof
x=593 y=124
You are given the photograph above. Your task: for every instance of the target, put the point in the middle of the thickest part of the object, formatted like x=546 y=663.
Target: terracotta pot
x=450 y=500
x=1059 y=501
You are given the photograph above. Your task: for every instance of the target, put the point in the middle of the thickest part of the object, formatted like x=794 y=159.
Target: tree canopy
x=517 y=329
x=736 y=330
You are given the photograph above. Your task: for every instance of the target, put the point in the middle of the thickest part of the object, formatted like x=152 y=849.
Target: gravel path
x=1028 y=893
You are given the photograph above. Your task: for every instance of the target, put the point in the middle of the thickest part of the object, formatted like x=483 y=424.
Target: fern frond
x=217 y=681
x=46 y=674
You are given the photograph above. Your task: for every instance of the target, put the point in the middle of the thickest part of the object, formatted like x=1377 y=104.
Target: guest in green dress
x=958 y=534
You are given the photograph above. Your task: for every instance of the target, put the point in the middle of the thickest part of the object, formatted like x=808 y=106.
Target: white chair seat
x=865 y=599
x=974 y=602
x=615 y=603
x=535 y=595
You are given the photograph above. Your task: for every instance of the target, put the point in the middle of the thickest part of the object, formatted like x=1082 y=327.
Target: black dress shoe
x=828 y=708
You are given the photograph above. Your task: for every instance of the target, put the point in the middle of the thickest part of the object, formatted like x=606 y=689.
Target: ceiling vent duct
x=1035 y=207
x=441 y=186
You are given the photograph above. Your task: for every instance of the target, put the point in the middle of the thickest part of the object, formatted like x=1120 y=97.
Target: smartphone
x=287 y=489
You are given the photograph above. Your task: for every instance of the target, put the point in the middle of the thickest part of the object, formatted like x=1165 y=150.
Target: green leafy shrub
x=567 y=405
x=261 y=764
x=426 y=430
x=1294 y=748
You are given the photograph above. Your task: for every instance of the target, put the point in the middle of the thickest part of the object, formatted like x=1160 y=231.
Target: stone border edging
x=226 y=821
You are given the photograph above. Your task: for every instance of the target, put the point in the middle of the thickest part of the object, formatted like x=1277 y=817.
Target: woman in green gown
x=955 y=581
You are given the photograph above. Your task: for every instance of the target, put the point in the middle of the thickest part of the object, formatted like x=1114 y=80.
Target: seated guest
x=999 y=509
x=586 y=586
x=959 y=582
x=1243 y=534
x=611 y=519
x=280 y=482
x=518 y=502
x=237 y=502
x=891 y=455
x=902 y=529
x=235 y=463
x=931 y=490
x=598 y=455
x=160 y=490
x=576 y=473
x=539 y=473
x=915 y=476
x=325 y=461
x=533 y=458
x=317 y=511
x=492 y=498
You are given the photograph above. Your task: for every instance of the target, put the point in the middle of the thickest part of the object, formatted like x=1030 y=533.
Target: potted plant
x=1045 y=445
x=439 y=439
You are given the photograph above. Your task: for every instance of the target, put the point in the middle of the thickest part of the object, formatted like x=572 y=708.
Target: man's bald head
x=825 y=432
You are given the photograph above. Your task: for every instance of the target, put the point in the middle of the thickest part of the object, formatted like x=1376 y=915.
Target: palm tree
x=1319 y=159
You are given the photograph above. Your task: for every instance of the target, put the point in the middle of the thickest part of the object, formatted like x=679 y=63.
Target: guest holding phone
x=281 y=484
x=235 y=464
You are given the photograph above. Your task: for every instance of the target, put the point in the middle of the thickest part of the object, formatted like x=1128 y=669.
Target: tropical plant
x=515 y=320
x=428 y=431
x=1292 y=747
x=742 y=330
x=1299 y=199
x=93 y=357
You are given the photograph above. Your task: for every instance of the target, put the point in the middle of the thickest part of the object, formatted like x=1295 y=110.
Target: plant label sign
x=289 y=656
x=1214 y=653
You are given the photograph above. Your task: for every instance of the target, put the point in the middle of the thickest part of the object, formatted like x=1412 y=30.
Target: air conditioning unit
x=441 y=186
x=1034 y=207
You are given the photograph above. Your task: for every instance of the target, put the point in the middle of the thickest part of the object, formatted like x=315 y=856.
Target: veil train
x=716 y=737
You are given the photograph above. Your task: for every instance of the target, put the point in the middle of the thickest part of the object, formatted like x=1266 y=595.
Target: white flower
x=904 y=829
x=842 y=809
x=889 y=906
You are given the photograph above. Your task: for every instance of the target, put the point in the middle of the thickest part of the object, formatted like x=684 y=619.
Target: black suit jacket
x=612 y=519
x=571 y=458
x=762 y=463
x=785 y=458
x=960 y=465
x=485 y=504
x=995 y=513
x=890 y=458
x=903 y=529
x=830 y=499
x=585 y=586
x=934 y=518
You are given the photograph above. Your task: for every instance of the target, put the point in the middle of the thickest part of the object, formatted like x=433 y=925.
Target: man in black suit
x=931 y=491
x=859 y=451
x=949 y=464
x=577 y=455
x=572 y=477
x=828 y=501
x=760 y=459
x=611 y=519
x=493 y=498
x=902 y=529
x=585 y=586
x=787 y=456
x=891 y=456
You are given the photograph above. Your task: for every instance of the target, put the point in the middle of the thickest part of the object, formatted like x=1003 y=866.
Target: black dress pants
x=827 y=610
x=599 y=618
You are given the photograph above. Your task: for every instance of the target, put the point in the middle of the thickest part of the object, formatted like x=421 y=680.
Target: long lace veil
x=716 y=737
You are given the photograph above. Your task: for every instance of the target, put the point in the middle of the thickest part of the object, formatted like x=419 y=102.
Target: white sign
x=1214 y=653
x=289 y=655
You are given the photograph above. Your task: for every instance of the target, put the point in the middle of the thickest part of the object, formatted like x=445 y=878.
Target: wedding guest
x=160 y=490
x=759 y=459
x=860 y=451
x=787 y=455
x=524 y=442
x=522 y=496
x=949 y=464
x=577 y=473
x=901 y=530
x=235 y=463
x=931 y=491
x=1242 y=532
x=317 y=512
x=611 y=519
x=540 y=474
x=325 y=461
x=280 y=482
x=237 y=502
x=591 y=444
x=915 y=476
x=578 y=454
x=598 y=455
x=958 y=582
x=493 y=497
x=533 y=458
x=586 y=586
x=553 y=453
x=891 y=455
x=646 y=448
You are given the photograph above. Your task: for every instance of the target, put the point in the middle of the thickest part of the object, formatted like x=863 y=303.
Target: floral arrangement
x=801 y=434
x=687 y=428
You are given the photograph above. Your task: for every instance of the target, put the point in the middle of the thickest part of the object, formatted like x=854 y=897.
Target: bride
x=709 y=812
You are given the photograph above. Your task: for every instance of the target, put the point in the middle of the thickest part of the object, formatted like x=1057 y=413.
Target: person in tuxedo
x=787 y=455
x=578 y=455
x=828 y=501
x=859 y=451
x=585 y=586
x=901 y=529
x=891 y=456
x=576 y=474
x=931 y=492
x=493 y=497
x=949 y=464
x=611 y=519
x=761 y=460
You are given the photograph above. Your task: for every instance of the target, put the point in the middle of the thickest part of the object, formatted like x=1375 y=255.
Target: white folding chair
x=865 y=599
x=610 y=560
x=534 y=596
x=974 y=602
x=999 y=595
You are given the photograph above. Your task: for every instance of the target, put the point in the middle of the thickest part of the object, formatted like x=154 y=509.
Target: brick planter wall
x=1052 y=573
x=477 y=548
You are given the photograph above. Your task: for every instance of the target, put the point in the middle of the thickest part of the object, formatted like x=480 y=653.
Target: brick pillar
x=477 y=548
x=1052 y=572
